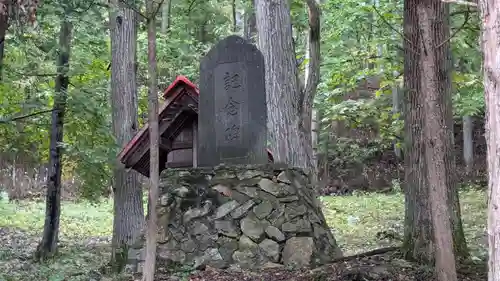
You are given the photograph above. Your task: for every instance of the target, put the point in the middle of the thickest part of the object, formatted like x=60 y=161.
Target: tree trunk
x=311 y=80
x=154 y=174
x=289 y=131
x=418 y=243
x=128 y=210
x=431 y=15
x=202 y=32
x=233 y=11
x=282 y=85
x=250 y=24
x=165 y=16
x=468 y=144
x=4 y=26
x=314 y=139
x=396 y=101
x=417 y=240
x=313 y=66
x=490 y=38
x=289 y=109
x=48 y=246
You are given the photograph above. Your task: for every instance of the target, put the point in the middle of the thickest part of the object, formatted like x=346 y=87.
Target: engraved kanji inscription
x=231 y=81
x=232 y=107
x=232 y=133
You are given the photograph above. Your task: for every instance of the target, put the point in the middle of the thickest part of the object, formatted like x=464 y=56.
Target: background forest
x=359 y=101
x=359 y=110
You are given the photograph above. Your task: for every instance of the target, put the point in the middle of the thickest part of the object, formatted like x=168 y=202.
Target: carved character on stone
x=232 y=107
x=231 y=80
x=232 y=132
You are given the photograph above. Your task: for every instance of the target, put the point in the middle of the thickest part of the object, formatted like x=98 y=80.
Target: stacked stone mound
x=251 y=216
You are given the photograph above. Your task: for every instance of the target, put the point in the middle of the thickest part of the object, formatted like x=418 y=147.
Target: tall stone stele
x=232 y=111
x=236 y=209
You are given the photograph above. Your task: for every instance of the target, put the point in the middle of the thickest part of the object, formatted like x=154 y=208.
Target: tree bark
x=165 y=16
x=233 y=13
x=282 y=85
x=289 y=131
x=314 y=140
x=468 y=144
x=418 y=242
x=4 y=26
x=313 y=66
x=490 y=38
x=250 y=24
x=289 y=108
x=48 y=246
x=154 y=174
x=436 y=131
x=311 y=80
x=128 y=210
x=396 y=101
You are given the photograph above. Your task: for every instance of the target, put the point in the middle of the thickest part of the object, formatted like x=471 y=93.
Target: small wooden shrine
x=178 y=129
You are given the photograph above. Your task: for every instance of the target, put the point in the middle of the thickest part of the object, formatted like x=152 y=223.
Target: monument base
x=251 y=216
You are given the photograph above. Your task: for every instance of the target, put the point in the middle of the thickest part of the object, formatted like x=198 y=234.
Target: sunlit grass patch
x=357 y=219
x=81 y=219
x=474 y=218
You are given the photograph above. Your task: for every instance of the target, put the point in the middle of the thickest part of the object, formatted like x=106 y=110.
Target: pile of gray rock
x=249 y=216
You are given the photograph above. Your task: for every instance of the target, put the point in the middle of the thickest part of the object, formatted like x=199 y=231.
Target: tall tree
x=48 y=246
x=490 y=38
x=4 y=24
x=233 y=12
x=434 y=51
x=418 y=241
x=314 y=49
x=128 y=210
x=468 y=143
x=289 y=105
x=165 y=15
x=154 y=170
x=249 y=25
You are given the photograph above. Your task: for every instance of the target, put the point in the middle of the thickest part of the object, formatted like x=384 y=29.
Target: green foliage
x=469 y=99
x=368 y=114
x=362 y=45
x=360 y=42
x=28 y=83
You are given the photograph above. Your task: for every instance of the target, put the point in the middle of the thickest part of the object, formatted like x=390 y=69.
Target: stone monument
x=245 y=213
x=232 y=113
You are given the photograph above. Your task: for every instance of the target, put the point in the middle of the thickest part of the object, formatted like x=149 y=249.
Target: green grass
x=81 y=225
x=355 y=220
x=77 y=219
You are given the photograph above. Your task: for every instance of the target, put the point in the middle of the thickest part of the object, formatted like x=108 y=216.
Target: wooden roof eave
x=126 y=153
x=141 y=164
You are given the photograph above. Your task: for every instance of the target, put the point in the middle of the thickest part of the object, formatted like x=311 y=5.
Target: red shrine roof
x=179 y=81
x=176 y=87
x=174 y=93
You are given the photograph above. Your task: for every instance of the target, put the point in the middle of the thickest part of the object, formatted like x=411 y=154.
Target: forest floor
x=360 y=223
